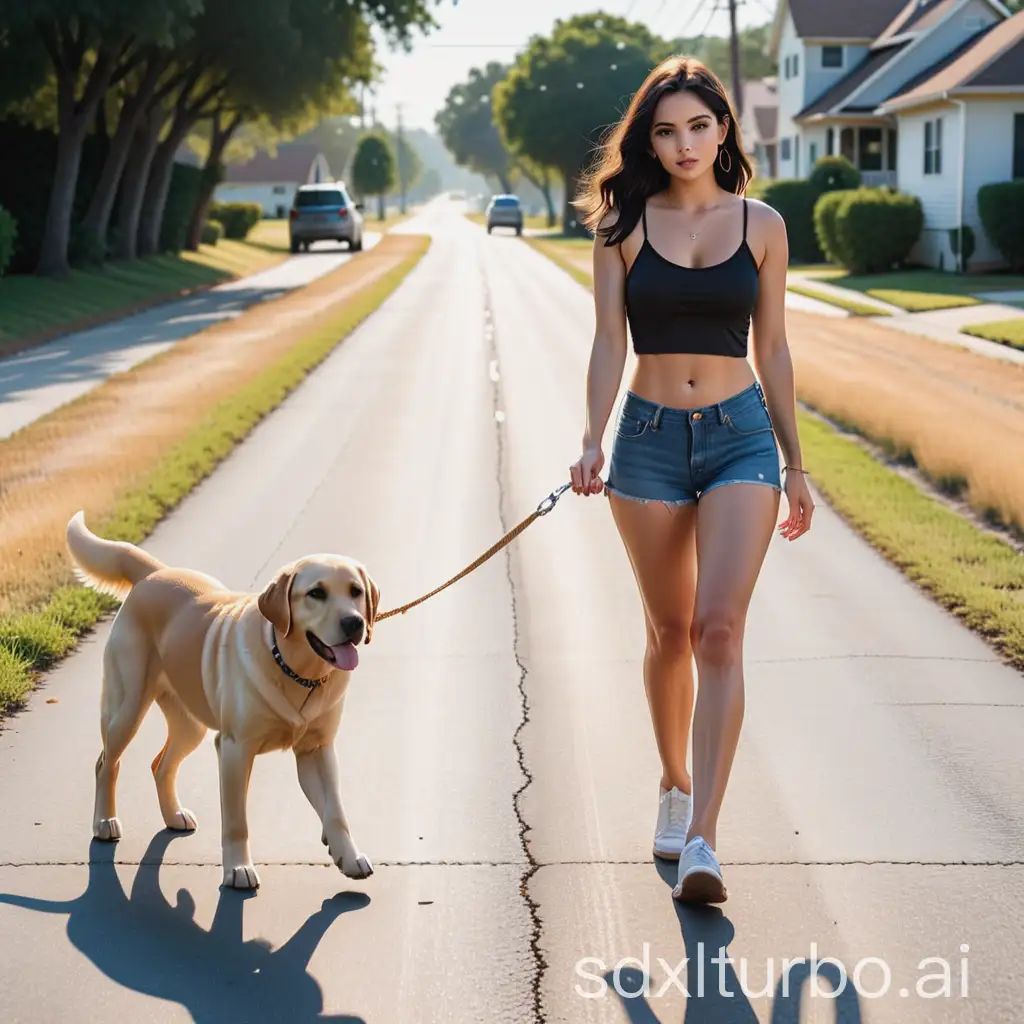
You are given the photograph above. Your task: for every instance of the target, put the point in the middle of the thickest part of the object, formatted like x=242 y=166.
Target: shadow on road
x=147 y=945
x=714 y=992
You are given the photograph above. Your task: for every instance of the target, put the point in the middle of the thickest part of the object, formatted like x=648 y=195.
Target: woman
x=694 y=477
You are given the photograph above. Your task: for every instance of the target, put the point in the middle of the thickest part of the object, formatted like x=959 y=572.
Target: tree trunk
x=97 y=217
x=74 y=118
x=133 y=185
x=155 y=198
x=380 y=206
x=504 y=182
x=218 y=143
x=543 y=184
x=570 y=217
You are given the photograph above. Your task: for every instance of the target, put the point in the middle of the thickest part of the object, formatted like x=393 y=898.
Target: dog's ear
x=275 y=603
x=372 y=593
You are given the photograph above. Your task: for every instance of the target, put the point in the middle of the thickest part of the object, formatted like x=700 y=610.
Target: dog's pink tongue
x=346 y=656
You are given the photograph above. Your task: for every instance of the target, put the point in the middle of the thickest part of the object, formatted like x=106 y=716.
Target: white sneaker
x=700 y=877
x=674 y=812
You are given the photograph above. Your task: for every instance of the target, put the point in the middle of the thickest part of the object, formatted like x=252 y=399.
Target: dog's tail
x=109 y=566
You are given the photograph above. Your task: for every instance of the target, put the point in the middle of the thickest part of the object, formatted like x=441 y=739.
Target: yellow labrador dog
x=266 y=671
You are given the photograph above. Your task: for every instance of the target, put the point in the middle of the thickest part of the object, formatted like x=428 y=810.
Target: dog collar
x=309 y=684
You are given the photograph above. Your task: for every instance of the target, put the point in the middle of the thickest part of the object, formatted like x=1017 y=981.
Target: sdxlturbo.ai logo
x=871 y=977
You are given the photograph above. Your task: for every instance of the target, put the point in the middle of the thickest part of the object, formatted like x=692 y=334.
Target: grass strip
x=973 y=574
x=34 y=641
x=850 y=305
x=919 y=302
x=1006 y=332
x=33 y=309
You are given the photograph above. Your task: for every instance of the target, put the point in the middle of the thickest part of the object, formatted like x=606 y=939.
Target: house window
x=830 y=142
x=796 y=64
x=871 y=149
x=785 y=153
x=933 y=146
x=279 y=190
x=1018 y=145
x=847 y=144
x=892 y=149
x=813 y=154
x=831 y=56
x=786 y=67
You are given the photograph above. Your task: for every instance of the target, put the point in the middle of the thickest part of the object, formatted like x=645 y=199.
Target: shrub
x=876 y=228
x=954 y=243
x=182 y=196
x=212 y=232
x=238 y=218
x=833 y=172
x=8 y=236
x=1001 y=206
x=794 y=200
x=826 y=209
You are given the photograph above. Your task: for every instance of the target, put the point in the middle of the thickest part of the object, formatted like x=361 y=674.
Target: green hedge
x=794 y=200
x=869 y=230
x=1001 y=206
x=212 y=232
x=238 y=218
x=826 y=230
x=8 y=236
x=833 y=172
x=182 y=196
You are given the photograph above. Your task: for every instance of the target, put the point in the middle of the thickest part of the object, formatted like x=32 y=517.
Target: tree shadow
x=714 y=993
x=149 y=946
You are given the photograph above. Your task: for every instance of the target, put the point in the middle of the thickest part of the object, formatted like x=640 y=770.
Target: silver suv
x=325 y=212
x=505 y=211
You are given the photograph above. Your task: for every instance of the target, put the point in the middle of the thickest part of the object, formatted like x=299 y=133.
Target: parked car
x=325 y=212
x=504 y=211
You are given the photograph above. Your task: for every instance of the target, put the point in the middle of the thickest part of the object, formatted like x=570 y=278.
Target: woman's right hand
x=585 y=472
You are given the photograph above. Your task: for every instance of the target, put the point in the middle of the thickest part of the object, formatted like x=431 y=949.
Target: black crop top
x=703 y=310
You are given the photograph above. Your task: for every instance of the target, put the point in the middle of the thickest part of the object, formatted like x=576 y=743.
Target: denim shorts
x=671 y=455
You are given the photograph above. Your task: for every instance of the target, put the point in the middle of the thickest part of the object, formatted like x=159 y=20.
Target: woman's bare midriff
x=688 y=381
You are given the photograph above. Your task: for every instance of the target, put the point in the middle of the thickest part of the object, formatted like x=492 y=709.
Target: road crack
x=533 y=907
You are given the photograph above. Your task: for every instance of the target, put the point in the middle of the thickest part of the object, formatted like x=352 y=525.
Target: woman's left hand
x=801 y=507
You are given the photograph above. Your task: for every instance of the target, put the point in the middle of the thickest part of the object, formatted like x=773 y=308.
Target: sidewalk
x=941 y=325
x=45 y=377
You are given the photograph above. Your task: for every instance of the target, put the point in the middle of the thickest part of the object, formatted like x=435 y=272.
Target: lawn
x=30 y=305
x=130 y=450
x=1006 y=332
x=918 y=291
x=850 y=305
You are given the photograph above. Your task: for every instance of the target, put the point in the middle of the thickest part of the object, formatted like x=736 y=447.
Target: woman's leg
x=735 y=523
x=660 y=544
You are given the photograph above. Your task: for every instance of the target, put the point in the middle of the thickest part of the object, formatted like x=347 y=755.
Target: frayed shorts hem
x=609 y=489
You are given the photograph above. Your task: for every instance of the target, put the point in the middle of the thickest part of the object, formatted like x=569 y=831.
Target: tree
x=90 y=45
x=466 y=125
x=408 y=165
x=714 y=52
x=374 y=168
x=564 y=91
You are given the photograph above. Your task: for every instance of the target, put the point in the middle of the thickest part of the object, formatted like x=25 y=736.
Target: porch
x=870 y=147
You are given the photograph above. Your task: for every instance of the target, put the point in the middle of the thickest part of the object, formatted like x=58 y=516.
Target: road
x=42 y=378
x=497 y=758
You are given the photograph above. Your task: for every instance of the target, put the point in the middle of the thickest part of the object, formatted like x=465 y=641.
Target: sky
x=473 y=32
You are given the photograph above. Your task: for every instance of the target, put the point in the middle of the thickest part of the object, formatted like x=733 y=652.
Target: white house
x=271 y=181
x=759 y=124
x=898 y=87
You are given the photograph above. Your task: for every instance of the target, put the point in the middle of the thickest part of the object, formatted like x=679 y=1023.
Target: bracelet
x=795 y=469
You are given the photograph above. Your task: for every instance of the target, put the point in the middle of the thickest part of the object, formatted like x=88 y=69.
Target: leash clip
x=549 y=502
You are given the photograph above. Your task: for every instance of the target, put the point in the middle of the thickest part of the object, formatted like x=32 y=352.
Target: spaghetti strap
x=744 y=218
x=643 y=218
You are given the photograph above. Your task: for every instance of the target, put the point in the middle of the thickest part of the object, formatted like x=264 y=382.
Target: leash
x=541 y=510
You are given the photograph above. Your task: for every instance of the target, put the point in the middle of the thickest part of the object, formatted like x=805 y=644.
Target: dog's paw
x=358 y=866
x=107 y=830
x=243 y=877
x=183 y=821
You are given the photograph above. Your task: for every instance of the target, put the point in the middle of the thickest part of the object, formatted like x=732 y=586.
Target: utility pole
x=401 y=161
x=734 y=59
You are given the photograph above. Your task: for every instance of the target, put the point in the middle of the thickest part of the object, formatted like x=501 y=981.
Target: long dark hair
x=624 y=173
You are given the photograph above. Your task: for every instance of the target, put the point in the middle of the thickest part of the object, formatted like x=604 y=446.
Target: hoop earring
x=721 y=153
